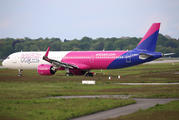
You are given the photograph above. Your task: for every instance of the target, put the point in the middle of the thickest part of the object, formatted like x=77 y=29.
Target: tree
x=27 y=39
x=161 y=40
x=14 y=43
x=120 y=44
x=113 y=39
x=76 y=49
x=172 y=43
x=98 y=45
x=1 y=43
x=65 y=47
x=46 y=39
x=86 y=39
x=40 y=38
x=56 y=46
x=34 y=48
x=18 y=47
x=168 y=37
x=8 y=49
x=1 y=55
x=109 y=46
x=85 y=46
x=26 y=48
x=165 y=44
x=101 y=46
x=55 y=39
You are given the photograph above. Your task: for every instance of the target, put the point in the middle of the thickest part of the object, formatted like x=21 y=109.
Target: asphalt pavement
x=162 y=61
x=2 y=67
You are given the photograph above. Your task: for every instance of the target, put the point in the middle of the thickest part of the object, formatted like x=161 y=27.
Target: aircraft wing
x=58 y=64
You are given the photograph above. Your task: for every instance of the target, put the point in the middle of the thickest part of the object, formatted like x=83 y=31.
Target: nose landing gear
x=20 y=72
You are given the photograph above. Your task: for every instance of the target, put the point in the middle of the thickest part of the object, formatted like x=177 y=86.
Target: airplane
x=81 y=62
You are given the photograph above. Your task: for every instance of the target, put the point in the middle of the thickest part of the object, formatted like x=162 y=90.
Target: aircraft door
x=128 y=57
x=14 y=59
x=91 y=58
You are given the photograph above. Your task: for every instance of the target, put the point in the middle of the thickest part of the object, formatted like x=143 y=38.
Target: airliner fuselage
x=81 y=62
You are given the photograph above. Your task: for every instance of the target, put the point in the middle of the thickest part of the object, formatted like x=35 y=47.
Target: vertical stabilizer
x=148 y=42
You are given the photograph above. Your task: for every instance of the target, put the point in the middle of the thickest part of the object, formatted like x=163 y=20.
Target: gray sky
x=70 y=19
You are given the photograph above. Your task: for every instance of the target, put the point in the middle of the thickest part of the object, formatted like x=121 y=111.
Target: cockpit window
x=8 y=57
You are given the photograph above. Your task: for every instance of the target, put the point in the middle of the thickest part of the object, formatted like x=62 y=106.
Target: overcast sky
x=70 y=19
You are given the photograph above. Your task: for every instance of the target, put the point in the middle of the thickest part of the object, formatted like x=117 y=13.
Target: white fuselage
x=30 y=60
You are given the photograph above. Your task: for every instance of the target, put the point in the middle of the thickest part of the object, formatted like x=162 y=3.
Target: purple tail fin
x=148 y=42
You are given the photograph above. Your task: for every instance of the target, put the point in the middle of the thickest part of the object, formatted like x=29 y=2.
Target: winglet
x=46 y=54
x=45 y=57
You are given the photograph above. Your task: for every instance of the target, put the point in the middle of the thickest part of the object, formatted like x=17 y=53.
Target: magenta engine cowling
x=45 y=69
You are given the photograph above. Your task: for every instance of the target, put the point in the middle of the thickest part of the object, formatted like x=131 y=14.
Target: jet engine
x=45 y=69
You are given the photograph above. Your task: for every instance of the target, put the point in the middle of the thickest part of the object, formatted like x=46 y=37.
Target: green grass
x=62 y=109
x=24 y=94
x=169 y=111
x=39 y=89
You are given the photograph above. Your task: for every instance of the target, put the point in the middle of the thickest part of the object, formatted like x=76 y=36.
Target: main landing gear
x=68 y=74
x=89 y=74
x=20 y=72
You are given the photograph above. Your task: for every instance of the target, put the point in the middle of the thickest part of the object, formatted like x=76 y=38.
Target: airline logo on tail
x=148 y=42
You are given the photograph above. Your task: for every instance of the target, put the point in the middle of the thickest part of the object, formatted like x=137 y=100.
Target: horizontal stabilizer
x=168 y=54
x=144 y=56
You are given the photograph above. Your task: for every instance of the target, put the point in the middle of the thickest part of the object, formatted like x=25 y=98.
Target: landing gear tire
x=20 y=72
x=89 y=75
x=68 y=74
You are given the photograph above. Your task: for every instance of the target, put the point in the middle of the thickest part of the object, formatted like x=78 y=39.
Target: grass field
x=169 y=111
x=21 y=97
x=61 y=109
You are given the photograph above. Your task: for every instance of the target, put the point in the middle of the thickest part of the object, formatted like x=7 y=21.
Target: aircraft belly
x=30 y=66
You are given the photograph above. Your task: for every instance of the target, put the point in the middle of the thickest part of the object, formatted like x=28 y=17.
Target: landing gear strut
x=68 y=72
x=20 y=72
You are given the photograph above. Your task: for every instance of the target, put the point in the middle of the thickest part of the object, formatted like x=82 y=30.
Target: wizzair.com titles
x=106 y=54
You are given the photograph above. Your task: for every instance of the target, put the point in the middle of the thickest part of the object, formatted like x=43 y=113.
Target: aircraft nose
x=3 y=63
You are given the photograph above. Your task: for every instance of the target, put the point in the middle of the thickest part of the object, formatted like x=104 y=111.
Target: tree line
x=165 y=44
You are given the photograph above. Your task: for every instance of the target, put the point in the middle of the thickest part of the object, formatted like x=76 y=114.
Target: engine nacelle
x=45 y=69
